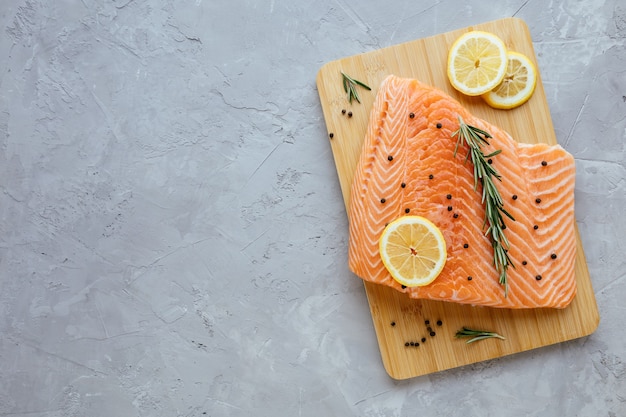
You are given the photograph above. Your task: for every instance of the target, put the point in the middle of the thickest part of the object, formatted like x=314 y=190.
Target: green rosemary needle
x=476 y=335
x=484 y=173
x=349 y=85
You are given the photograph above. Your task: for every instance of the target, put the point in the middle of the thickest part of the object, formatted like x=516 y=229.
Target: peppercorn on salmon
x=408 y=166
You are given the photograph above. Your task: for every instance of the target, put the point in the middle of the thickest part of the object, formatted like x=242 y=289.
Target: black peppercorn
x=490 y=161
x=331 y=135
x=538 y=200
x=535 y=227
x=456 y=215
x=382 y=200
x=439 y=322
x=538 y=277
x=390 y=158
x=449 y=208
x=466 y=246
x=404 y=287
x=433 y=333
x=438 y=125
x=406 y=344
x=544 y=163
x=427 y=322
x=524 y=263
x=469 y=278
x=514 y=197
x=349 y=114
x=343 y=111
x=423 y=339
x=393 y=323
x=431 y=176
x=553 y=256
x=412 y=115
x=403 y=185
x=449 y=196
x=412 y=343
x=407 y=210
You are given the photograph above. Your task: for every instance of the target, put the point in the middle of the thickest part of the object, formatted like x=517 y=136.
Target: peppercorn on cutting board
x=399 y=320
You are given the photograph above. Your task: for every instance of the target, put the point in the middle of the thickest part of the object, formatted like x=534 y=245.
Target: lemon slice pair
x=479 y=64
x=413 y=250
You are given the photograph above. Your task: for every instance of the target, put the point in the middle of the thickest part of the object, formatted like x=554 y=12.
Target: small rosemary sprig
x=484 y=172
x=476 y=335
x=349 y=85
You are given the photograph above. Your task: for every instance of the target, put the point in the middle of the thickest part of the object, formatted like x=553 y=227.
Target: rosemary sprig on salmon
x=484 y=172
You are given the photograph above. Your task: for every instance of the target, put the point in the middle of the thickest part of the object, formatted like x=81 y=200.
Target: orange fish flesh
x=407 y=167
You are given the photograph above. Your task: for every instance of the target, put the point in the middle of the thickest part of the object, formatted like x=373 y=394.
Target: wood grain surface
x=398 y=319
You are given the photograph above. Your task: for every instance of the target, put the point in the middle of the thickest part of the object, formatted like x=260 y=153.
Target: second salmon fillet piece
x=407 y=167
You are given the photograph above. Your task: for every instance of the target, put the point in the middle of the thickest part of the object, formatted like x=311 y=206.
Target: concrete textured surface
x=172 y=234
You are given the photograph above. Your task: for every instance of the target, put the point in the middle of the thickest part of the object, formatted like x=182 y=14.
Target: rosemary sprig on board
x=349 y=85
x=484 y=172
x=476 y=335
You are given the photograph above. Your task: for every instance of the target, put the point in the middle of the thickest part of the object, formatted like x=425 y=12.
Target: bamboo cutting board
x=398 y=319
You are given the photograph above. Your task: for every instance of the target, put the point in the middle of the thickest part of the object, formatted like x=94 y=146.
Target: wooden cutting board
x=398 y=319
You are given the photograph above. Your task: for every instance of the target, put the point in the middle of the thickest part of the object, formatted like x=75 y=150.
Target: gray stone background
x=172 y=233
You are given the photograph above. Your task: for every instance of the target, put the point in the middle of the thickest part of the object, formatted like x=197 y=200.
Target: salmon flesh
x=408 y=166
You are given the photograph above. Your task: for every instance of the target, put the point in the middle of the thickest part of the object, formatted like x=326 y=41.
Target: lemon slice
x=477 y=62
x=518 y=83
x=413 y=250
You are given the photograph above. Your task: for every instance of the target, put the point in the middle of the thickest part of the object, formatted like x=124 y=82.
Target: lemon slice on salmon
x=413 y=250
x=518 y=83
x=477 y=62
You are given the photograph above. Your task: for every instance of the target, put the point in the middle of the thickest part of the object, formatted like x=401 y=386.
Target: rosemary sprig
x=349 y=85
x=476 y=335
x=484 y=172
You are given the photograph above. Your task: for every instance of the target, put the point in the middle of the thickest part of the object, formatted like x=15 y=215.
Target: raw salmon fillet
x=407 y=167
